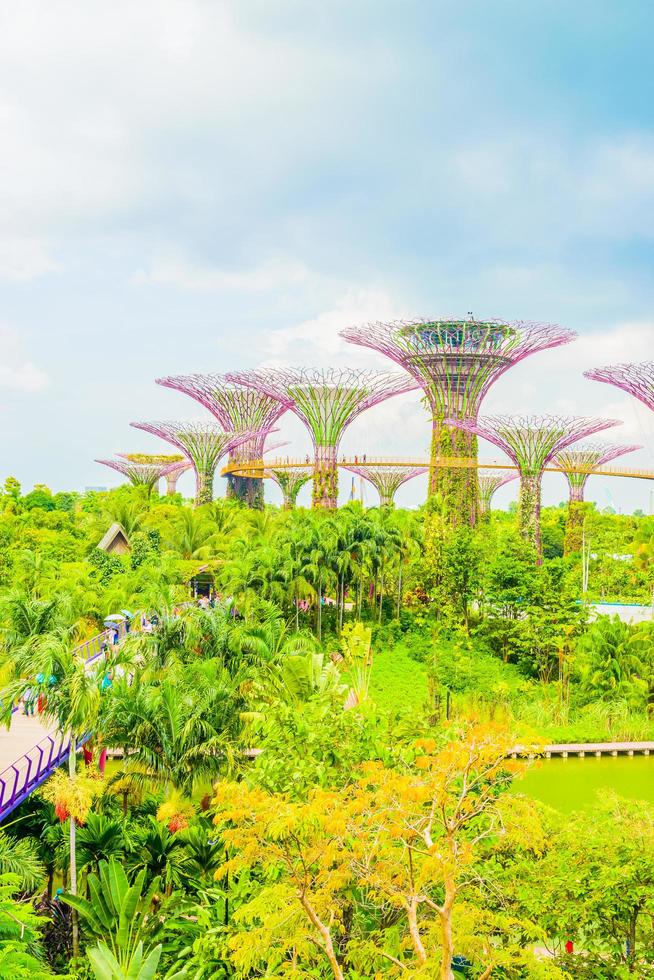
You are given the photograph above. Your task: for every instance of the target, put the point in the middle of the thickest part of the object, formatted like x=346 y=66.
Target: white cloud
x=316 y=342
x=22 y=259
x=174 y=269
x=18 y=372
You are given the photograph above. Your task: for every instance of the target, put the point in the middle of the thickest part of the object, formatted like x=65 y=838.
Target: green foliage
x=119 y=915
x=20 y=948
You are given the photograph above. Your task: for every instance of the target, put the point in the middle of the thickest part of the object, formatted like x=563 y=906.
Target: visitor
x=569 y=947
x=107 y=680
x=29 y=703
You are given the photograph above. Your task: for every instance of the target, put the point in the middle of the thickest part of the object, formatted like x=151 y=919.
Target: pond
x=573 y=783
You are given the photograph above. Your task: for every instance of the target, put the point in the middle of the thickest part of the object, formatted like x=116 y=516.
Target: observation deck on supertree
x=290 y=482
x=326 y=401
x=531 y=441
x=181 y=466
x=489 y=482
x=236 y=408
x=455 y=362
x=141 y=474
x=203 y=444
x=636 y=379
x=386 y=479
x=578 y=464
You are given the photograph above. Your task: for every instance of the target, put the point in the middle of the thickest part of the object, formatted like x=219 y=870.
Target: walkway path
x=32 y=749
x=582 y=749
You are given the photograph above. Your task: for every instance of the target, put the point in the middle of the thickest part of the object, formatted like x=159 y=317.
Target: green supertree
x=455 y=361
x=578 y=464
x=326 y=400
x=530 y=442
x=203 y=444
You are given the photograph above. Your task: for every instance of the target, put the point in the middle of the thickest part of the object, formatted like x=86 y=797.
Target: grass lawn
x=398 y=683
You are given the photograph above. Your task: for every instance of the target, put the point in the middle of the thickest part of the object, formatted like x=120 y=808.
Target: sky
x=204 y=185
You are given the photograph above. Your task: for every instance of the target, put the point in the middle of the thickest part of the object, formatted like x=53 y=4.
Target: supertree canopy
x=172 y=476
x=386 y=479
x=455 y=362
x=578 y=464
x=326 y=400
x=290 y=481
x=636 y=379
x=531 y=442
x=203 y=443
x=237 y=408
x=489 y=481
x=140 y=474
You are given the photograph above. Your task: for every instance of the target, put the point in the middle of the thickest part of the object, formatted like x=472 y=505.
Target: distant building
x=115 y=541
x=96 y=489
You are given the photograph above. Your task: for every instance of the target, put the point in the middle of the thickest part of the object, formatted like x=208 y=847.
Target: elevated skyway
x=257 y=468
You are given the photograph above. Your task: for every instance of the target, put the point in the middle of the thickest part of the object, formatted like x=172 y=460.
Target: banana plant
x=120 y=916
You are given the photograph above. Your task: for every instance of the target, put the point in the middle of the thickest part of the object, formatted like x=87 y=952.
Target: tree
x=406 y=839
x=20 y=948
x=595 y=885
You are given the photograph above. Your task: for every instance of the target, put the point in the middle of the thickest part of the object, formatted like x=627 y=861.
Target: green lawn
x=398 y=683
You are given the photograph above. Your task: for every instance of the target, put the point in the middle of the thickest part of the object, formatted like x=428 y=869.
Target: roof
x=108 y=539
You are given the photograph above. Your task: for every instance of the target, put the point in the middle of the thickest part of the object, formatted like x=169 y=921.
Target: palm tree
x=265 y=637
x=180 y=734
x=100 y=839
x=193 y=535
x=160 y=853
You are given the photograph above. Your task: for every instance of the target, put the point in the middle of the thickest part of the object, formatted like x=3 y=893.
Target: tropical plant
x=121 y=917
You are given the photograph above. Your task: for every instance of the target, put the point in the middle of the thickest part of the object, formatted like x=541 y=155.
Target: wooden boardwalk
x=582 y=749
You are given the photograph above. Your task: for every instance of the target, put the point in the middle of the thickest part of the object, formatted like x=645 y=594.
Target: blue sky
x=192 y=185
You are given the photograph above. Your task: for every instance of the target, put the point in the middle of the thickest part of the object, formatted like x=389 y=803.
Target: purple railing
x=21 y=778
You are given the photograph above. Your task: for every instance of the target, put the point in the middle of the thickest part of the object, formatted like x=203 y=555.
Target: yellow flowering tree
x=375 y=876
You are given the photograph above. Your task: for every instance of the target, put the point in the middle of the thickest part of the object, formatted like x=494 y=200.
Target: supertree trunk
x=325 y=478
x=246 y=489
x=203 y=486
x=574 y=527
x=457 y=485
x=171 y=483
x=529 y=511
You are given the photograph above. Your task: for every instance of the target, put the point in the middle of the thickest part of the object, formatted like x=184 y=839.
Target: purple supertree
x=326 y=400
x=489 y=482
x=203 y=443
x=636 y=379
x=455 y=362
x=141 y=473
x=179 y=464
x=531 y=441
x=237 y=408
x=578 y=464
x=386 y=478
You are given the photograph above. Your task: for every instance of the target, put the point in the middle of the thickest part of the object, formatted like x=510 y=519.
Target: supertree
x=182 y=465
x=636 y=379
x=326 y=400
x=489 y=482
x=236 y=408
x=290 y=481
x=140 y=474
x=531 y=441
x=455 y=362
x=578 y=464
x=203 y=443
x=386 y=479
